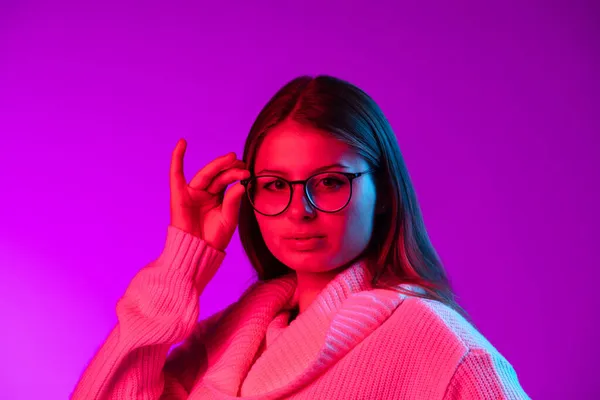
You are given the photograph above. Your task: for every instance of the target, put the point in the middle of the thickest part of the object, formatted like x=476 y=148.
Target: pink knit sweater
x=352 y=342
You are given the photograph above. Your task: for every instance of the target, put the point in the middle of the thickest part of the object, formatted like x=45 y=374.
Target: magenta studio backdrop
x=495 y=108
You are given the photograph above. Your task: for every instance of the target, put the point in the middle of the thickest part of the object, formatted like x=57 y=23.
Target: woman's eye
x=330 y=182
x=276 y=184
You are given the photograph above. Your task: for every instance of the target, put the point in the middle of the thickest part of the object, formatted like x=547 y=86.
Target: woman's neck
x=310 y=284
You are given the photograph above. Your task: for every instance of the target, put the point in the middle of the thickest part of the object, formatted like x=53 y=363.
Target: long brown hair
x=400 y=251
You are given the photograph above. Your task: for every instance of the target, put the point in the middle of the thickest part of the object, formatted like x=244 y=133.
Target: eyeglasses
x=328 y=192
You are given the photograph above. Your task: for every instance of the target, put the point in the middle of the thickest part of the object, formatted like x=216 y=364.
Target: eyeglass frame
x=351 y=176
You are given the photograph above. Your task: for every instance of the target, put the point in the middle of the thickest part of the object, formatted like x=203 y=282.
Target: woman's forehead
x=300 y=149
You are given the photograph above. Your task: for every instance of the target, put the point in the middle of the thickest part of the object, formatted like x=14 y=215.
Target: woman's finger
x=205 y=176
x=176 y=175
x=227 y=177
x=231 y=203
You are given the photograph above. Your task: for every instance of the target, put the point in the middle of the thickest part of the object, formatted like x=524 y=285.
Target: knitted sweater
x=352 y=342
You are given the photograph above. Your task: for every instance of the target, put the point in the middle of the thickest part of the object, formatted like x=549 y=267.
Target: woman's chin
x=309 y=263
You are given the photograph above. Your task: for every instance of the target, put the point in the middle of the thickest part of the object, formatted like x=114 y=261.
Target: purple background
x=495 y=108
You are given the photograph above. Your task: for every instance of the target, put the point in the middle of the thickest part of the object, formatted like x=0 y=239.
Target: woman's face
x=295 y=152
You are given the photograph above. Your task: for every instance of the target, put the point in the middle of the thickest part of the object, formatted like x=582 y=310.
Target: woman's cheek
x=267 y=230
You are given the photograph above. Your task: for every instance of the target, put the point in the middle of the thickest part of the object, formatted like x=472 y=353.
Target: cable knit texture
x=352 y=342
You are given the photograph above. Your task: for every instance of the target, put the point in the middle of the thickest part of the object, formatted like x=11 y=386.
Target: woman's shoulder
x=439 y=320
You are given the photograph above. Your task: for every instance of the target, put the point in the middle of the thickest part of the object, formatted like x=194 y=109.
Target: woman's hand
x=202 y=207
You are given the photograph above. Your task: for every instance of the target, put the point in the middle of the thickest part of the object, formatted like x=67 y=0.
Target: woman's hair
x=399 y=251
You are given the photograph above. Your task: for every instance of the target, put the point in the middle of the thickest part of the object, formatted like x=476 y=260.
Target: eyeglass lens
x=270 y=195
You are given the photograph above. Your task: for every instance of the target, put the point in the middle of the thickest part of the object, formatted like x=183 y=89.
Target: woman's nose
x=300 y=205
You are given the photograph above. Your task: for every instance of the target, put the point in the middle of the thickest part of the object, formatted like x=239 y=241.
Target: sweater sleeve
x=483 y=375
x=159 y=309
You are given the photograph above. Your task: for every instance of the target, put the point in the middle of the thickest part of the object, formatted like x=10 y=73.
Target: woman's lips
x=306 y=243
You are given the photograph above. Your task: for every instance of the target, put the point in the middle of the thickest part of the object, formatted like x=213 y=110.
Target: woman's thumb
x=231 y=203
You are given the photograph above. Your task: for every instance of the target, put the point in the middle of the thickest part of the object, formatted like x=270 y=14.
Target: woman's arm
x=159 y=309
x=481 y=376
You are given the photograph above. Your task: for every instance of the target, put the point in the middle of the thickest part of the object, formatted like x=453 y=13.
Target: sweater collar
x=346 y=311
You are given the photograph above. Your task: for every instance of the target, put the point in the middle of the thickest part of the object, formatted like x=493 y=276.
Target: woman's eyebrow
x=326 y=167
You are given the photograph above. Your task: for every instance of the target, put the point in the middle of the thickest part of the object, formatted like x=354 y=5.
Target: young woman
x=351 y=301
